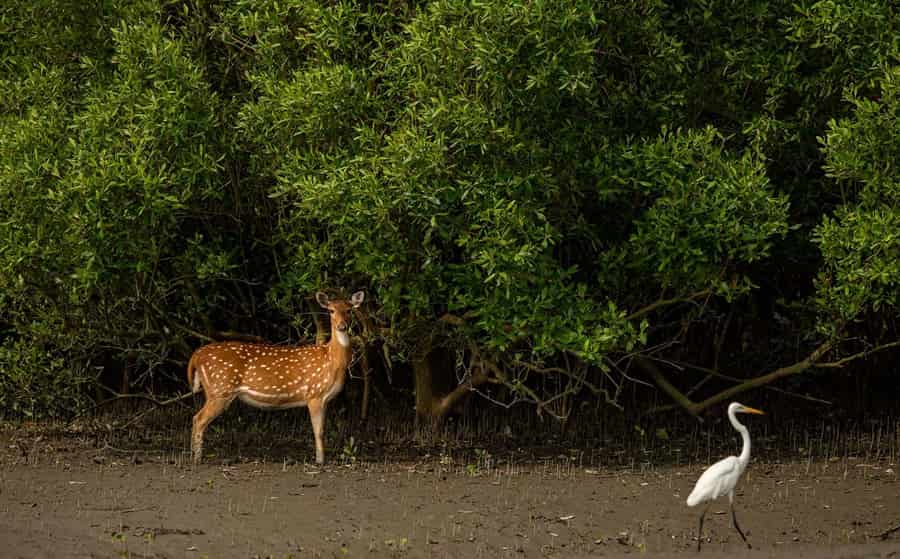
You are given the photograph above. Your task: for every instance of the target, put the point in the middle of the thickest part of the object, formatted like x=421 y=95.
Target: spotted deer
x=275 y=377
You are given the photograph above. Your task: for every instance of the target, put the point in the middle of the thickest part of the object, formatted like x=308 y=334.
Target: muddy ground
x=65 y=494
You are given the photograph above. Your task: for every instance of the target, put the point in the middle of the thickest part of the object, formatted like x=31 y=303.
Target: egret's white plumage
x=719 y=479
x=722 y=477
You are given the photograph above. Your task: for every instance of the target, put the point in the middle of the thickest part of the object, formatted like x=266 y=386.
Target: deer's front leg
x=317 y=416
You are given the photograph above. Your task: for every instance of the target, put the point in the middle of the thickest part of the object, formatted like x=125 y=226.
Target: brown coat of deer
x=276 y=377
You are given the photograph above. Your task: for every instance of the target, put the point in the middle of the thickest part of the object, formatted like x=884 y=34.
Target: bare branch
x=625 y=375
x=711 y=373
x=695 y=408
x=884 y=535
x=137 y=417
x=580 y=380
x=177 y=324
x=448 y=401
x=145 y=397
x=500 y=376
x=665 y=302
x=861 y=355
x=663 y=383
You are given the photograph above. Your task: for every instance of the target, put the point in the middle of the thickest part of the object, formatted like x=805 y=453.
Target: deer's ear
x=322 y=299
x=357 y=298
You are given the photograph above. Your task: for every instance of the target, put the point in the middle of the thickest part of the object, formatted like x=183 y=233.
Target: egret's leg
x=741 y=532
x=700 y=530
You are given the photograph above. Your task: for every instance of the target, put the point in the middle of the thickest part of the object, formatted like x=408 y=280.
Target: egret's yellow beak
x=745 y=409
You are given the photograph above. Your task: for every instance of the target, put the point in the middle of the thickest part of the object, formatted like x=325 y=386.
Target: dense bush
x=547 y=190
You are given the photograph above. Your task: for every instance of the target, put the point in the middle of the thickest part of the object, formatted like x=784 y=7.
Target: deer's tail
x=193 y=380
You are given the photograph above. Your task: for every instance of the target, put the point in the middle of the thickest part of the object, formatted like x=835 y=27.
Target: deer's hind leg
x=212 y=409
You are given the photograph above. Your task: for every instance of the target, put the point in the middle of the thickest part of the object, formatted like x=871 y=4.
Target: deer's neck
x=339 y=350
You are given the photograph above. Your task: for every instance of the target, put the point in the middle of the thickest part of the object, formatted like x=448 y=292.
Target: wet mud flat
x=65 y=498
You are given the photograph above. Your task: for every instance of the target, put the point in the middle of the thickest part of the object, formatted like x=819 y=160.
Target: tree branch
x=177 y=324
x=146 y=397
x=665 y=302
x=663 y=383
x=763 y=380
x=884 y=535
x=579 y=380
x=446 y=403
x=135 y=419
x=500 y=377
x=712 y=373
x=695 y=408
x=861 y=355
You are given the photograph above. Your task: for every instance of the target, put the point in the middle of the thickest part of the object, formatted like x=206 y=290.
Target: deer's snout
x=342 y=327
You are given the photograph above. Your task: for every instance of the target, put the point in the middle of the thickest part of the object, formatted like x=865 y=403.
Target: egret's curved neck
x=745 y=436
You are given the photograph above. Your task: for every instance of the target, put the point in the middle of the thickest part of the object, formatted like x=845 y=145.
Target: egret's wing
x=716 y=481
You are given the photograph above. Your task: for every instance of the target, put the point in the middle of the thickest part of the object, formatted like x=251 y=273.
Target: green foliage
x=864 y=150
x=143 y=153
x=522 y=180
x=37 y=383
x=449 y=204
x=861 y=272
x=97 y=181
x=32 y=141
x=709 y=213
x=316 y=110
x=643 y=72
x=282 y=37
x=861 y=243
x=510 y=55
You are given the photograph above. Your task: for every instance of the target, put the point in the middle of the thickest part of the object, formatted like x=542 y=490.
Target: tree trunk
x=424 y=381
x=429 y=404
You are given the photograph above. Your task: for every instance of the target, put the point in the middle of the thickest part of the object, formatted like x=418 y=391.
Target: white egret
x=720 y=478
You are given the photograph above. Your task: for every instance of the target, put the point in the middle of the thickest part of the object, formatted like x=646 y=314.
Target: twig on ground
x=884 y=535
x=158 y=403
x=147 y=397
